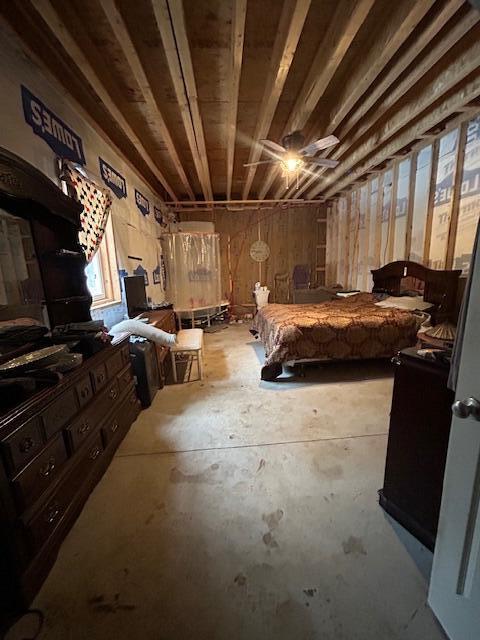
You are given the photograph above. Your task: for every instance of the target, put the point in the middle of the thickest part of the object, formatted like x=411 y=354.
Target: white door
x=455 y=582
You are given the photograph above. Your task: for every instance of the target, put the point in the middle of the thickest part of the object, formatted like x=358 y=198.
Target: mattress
x=341 y=329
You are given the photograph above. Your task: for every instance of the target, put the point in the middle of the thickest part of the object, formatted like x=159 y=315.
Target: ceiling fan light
x=292 y=164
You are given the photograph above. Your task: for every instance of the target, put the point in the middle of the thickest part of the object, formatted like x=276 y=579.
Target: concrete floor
x=240 y=509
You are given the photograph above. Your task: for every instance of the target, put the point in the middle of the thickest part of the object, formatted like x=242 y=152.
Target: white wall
x=135 y=234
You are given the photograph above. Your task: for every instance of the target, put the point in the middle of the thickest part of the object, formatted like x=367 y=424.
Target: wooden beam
x=456 y=195
x=171 y=24
x=72 y=101
x=392 y=221
x=460 y=68
x=401 y=63
x=411 y=201
x=430 y=202
x=344 y=26
x=60 y=31
x=118 y=26
x=290 y=28
x=442 y=47
x=236 y=55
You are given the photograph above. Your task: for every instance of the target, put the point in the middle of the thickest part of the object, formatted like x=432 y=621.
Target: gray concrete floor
x=240 y=509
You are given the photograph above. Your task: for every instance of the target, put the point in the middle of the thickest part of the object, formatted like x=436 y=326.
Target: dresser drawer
x=81 y=428
x=19 y=448
x=99 y=376
x=125 y=378
x=114 y=364
x=59 y=413
x=40 y=473
x=44 y=522
x=122 y=418
x=84 y=391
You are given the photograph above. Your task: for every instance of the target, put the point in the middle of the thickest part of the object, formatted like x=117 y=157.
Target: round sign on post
x=259 y=251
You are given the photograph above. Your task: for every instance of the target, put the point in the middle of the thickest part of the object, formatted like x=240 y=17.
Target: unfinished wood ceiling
x=184 y=88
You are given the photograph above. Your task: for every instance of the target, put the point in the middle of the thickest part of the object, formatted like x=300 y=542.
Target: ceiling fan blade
x=254 y=164
x=312 y=148
x=324 y=162
x=274 y=146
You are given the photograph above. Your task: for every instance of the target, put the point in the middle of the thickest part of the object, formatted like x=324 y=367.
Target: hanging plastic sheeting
x=192 y=263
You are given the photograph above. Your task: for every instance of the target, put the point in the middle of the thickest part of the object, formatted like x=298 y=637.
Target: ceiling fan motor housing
x=293 y=141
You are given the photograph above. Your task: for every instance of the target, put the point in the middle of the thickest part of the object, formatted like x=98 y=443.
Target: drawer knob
x=52 y=513
x=114 y=427
x=47 y=469
x=85 y=392
x=101 y=377
x=113 y=393
x=84 y=428
x=26 y=444
x=95 y=453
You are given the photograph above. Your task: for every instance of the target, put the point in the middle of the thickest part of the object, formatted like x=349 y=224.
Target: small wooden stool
x=189 y=341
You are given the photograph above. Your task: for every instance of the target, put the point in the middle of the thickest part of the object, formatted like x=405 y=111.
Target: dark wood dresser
x=54 y=449
x=417 y=444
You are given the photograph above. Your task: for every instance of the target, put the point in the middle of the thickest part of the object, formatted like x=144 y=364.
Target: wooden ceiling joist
x=60 y=31
x=289 y=31
x=459 y=68
x=406 y=15
x=433 y=56
x=344 y=27
x=238 y=35
x=171 y=23
x=450 y=104
x=124 y=39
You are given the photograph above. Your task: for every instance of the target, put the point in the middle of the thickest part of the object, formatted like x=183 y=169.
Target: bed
x=356 y=327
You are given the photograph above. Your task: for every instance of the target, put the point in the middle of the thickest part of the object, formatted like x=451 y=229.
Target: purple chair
x=301 y=276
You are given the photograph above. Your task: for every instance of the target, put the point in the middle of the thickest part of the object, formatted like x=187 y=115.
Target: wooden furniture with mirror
x=56 y=444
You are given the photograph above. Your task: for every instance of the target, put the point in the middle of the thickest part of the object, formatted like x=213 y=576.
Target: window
x=102 y=279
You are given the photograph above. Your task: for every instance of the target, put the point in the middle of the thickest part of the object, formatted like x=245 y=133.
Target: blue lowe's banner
x=142 y=203
x=114 y=180
x=59 y=137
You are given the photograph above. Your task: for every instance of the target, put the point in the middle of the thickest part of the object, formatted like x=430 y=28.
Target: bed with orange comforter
x=341 y=329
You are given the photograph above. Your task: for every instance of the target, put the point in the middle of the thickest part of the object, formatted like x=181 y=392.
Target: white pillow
x=408 y=303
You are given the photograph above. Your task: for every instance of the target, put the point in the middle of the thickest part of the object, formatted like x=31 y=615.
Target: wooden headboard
x=440 y=286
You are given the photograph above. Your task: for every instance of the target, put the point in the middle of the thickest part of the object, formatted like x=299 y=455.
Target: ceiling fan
x=293 y=156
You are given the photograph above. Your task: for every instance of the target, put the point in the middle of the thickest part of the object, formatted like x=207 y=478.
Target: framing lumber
x=238 y=35
x=411 y=202
x=459 y=69
x=406 y=16
x=431 y=202
x=171 y=24
x=390 y=99
x=456 y=195
x=120 y=30
x=344 y=27
x=60 y=31
x=290 y=28
x=76 y=105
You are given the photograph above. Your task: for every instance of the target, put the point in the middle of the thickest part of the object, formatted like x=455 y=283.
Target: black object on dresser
x=145 y=367
x=417 y=444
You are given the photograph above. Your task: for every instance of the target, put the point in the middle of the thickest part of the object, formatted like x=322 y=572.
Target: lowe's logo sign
x=113 y=179
x=59 y=137
x=142 y=203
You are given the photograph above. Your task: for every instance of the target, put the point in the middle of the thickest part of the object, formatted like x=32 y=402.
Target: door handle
x=466 y=408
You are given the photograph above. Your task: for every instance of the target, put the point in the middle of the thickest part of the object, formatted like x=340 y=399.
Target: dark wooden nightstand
x=417 y=444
